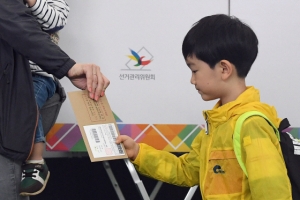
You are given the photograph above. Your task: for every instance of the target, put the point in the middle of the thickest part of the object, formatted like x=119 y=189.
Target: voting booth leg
x=113 y=180
x=137 y=180
x=191 y=193
x=155 y=190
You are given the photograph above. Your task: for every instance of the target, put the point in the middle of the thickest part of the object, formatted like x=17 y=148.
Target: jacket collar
x=220 y=114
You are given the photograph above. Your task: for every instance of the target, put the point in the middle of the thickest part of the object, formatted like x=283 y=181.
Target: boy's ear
x=226 y=68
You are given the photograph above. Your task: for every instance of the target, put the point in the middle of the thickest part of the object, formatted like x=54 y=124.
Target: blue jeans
x=44 y=88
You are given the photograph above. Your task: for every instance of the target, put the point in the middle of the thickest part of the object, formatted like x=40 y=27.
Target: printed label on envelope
x=97 y=126
x=102 y=138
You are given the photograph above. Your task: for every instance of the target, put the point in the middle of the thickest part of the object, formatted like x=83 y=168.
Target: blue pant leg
x=10 y=178
x=44 y=88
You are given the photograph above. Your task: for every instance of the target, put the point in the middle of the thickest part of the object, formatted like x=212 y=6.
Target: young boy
x=219 y=50
x=52 y=16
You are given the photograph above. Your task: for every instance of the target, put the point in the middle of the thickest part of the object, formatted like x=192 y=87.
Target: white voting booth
x=108 y=32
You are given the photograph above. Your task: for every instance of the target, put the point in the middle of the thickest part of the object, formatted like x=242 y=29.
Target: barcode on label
x=112 y=132
x=96 y=137
x=114 y=136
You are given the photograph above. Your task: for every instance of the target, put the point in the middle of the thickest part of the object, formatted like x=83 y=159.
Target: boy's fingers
x=120 y=139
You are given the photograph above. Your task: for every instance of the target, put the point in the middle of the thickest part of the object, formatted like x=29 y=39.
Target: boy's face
x=206 y=80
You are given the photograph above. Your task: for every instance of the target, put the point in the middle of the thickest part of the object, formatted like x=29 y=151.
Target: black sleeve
x=23 y=33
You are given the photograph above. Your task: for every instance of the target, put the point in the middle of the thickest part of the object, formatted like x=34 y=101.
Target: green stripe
x=237 y=135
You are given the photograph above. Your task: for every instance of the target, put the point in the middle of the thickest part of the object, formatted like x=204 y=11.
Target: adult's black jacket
x=21 y=39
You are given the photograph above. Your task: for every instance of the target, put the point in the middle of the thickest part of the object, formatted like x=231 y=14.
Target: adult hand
x=88 y=76
x=131 y=147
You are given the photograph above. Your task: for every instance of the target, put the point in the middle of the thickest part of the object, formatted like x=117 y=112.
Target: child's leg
x=44 y=88
x=39 y=142
x=35 y=172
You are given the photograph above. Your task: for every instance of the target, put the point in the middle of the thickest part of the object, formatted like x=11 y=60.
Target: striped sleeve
x=51 y=14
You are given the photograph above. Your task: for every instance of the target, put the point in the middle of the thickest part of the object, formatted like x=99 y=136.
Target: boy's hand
x=88 y=76
x=131 y=147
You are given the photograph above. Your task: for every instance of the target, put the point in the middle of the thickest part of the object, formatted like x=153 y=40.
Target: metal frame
x=191 y=193
x=139 y=184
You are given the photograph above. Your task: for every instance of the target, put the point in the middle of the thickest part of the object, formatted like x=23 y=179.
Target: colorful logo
x=139 y=59
x=136 y=57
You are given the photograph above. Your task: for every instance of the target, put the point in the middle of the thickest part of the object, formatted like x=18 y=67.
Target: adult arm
x=23 y=33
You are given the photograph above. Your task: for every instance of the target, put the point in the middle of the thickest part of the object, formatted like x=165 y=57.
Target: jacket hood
x=249 y=100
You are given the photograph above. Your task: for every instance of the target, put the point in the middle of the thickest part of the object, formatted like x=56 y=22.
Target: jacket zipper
x=36 y=123
x=208 y=153
x=207 y=124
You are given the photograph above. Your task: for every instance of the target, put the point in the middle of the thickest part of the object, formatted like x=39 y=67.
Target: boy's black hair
x=221 y=37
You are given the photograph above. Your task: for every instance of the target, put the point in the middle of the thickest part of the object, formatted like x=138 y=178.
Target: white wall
x=277 y=68
x=103 y=31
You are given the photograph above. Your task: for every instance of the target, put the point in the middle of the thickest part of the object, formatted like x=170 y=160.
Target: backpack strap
x=237 y=146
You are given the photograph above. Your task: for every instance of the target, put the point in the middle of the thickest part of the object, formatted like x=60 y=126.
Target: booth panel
x=153 y=101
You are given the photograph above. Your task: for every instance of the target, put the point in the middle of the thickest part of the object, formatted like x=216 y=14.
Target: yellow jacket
x=212 y=163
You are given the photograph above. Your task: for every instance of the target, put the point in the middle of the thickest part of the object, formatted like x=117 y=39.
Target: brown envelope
x=97 y=126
